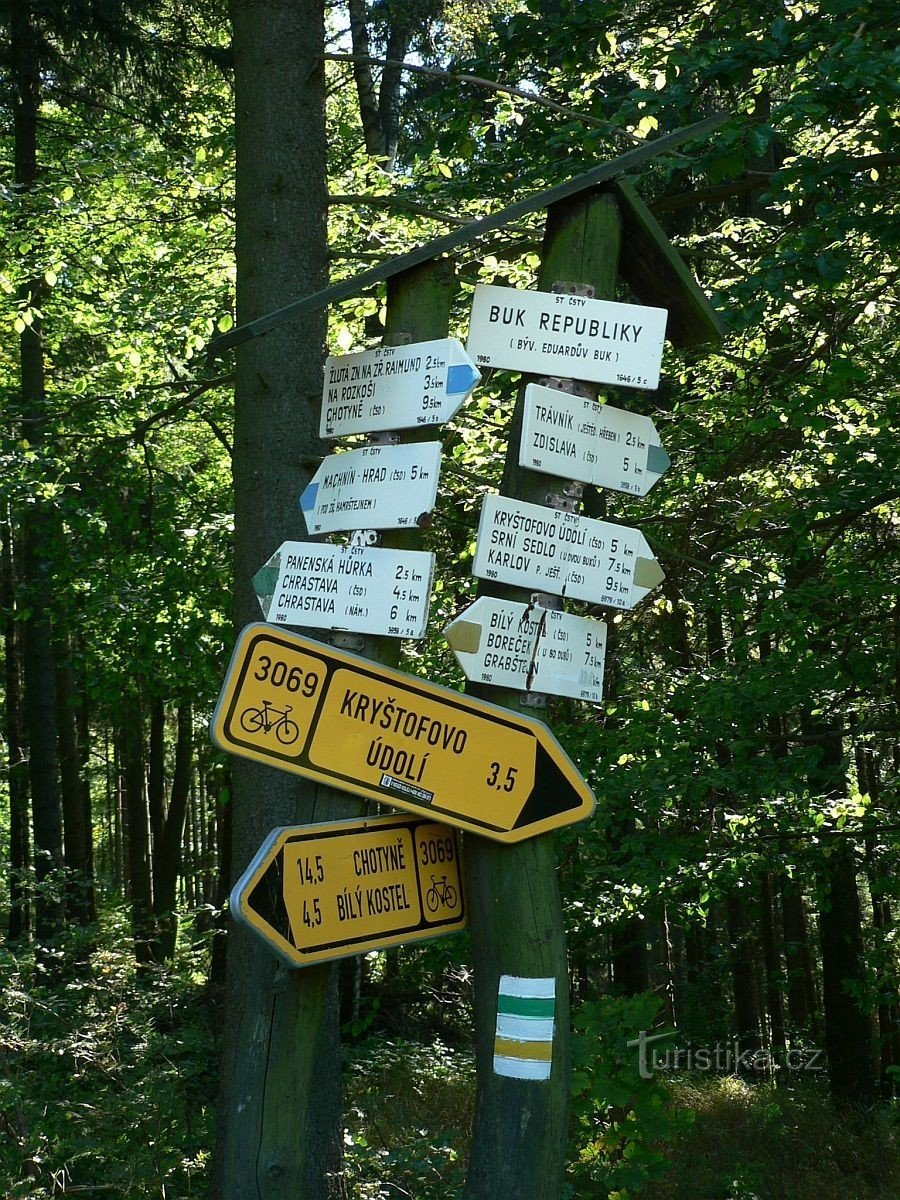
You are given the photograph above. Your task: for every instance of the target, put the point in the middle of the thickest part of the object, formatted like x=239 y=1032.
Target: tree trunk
x=167 y=859
x=847 y=1025
x=138 y=826
x=283 y=1034
x=772 y=966
x=37 y=657
x=743 y=972
x=19 y=924
x=77 y=819
x=801 y=990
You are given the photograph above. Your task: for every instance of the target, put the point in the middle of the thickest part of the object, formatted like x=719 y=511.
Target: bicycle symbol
x=254 y=719
x=441 y=893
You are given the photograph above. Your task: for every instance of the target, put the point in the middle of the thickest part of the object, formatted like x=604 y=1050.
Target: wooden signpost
x=316 y=892
x=319 y=892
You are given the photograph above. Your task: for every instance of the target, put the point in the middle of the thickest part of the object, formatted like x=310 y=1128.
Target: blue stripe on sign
x=460 y=378
x=308 y=497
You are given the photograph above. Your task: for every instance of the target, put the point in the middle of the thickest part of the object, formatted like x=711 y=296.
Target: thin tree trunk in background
x=847 y=1028
x=37 y=524
x=156 y=776
x=801 y=992
x=167 y=861
x=743 y=972
x=772 y=967
x=79 y=857
x=19 y=924
x=138 y=826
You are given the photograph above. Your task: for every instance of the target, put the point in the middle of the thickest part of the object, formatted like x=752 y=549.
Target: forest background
x=738 y=880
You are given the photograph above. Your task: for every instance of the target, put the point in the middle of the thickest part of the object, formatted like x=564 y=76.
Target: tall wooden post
x=521 y=1124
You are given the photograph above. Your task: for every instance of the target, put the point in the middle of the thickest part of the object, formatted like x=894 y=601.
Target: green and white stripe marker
x=523 y=1045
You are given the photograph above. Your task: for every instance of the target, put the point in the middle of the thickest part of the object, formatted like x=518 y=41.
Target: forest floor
x=108 y=1087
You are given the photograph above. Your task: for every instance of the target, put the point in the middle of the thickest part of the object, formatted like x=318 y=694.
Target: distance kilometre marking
x=318 y=892
x=374 y=487
x=316 y=711
x=361 y=589
x=396 y=387
x=545 y=333
x=576 y=438
x=535 y=649
x=559 y=552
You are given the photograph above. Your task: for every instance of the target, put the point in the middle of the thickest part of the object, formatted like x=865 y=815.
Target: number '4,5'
x=508 y=783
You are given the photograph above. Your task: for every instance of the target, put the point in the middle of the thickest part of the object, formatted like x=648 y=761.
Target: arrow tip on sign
x=648 y=573
x=266 y=578
x=657 y=460
x=463 y=636
x=462 y=378
x=308 y=497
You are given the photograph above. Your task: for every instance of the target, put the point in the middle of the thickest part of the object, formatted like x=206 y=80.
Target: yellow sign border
x=558 y=794
x=265 y=862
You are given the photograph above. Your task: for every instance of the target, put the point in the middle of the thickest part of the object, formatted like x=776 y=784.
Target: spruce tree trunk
x=79 y=855
x=38 y=526
x=19 y=923
x=848 y=1039
x=167 y=856
x=282 y=1025
x=137 y=840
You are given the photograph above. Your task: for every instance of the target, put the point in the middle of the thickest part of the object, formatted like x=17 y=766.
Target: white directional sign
x=396 y=387
x=362 y=589
x=595 y=443
x=535 y=649
x=375 y=487
x=569 y=336
x=563 y=553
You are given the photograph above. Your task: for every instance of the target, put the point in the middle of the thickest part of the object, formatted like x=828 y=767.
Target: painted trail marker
x=396 y=387
x=543 y=333
x=318 y=892
x=316 y=711
x=375 y=487
x=594 y=443
x=362 y=589
x=563 y=553
x=524 y=646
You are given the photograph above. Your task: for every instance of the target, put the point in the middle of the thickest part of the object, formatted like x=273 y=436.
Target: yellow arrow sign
x=317 y=892
x=312 y=710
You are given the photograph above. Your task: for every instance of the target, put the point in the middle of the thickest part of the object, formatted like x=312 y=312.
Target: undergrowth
x=107 y=1078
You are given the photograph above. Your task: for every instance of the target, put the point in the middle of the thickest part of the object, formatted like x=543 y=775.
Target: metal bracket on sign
x=546 y=600
x=568 y=500
x=403 y=338
x=563 y=287
x=572 y=387
x=348 y=641
x=385 y=438
x=532 y=699
x=365 y=537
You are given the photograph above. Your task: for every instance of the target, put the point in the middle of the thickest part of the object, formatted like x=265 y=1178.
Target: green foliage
x=108 y=1080
x=623 y=1117
x=760 y=1142
x=409 y=1111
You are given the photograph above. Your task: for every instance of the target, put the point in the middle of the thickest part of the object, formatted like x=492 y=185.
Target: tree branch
x=490 y=85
